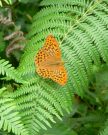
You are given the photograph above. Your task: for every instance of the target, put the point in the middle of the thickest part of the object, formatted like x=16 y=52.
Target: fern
x=11 y=73
x=105 y=130
x=38 y=105
x=9 y=117
x=7 y=2
x=80 y=27
x=60 y=128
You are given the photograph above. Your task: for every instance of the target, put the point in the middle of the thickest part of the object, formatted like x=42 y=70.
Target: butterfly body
x=49 y=63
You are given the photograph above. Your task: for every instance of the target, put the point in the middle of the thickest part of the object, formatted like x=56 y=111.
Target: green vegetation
x=32 y=105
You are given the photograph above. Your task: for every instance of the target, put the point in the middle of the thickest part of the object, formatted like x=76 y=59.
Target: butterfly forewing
x=41 y=58
x=51 y=47
x=49 y=63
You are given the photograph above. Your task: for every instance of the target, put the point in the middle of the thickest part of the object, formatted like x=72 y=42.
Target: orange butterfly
x=49 y=63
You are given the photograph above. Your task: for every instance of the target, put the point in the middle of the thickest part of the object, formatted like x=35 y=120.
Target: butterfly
x=49 y=63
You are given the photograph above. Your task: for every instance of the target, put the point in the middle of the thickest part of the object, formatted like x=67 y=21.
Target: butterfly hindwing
x=59 y=75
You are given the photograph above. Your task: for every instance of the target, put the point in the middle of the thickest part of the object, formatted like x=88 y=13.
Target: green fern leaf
x=105 y=130
x=11 y=73
x=9 y=116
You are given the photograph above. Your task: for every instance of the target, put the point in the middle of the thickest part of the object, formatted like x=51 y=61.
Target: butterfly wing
x=57 y=74
x=51 y=47
x=49 y=52
x=41 y=58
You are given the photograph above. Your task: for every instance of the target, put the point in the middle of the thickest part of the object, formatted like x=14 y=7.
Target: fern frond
x=9 y=116
x=38 y=105
x=60 y=128
x=9 y=71
x=104 y=131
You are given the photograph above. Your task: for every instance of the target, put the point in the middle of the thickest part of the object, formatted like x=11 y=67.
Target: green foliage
x=11 y=73
x=60 y=128
x=10 y=2
x=2 y=43
x=105 y=131
x=29 y=1
x=81 y=28
x=10 y=119
x=7 y=1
